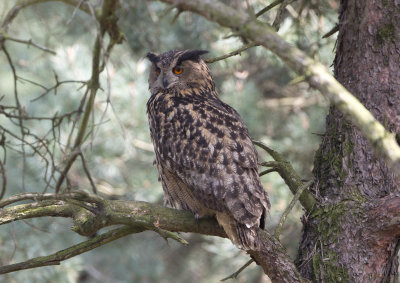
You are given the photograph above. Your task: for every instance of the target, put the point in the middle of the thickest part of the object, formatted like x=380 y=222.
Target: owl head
x=177 y=70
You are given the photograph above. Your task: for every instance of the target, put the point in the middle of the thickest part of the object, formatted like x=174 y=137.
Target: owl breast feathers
x=205 y=158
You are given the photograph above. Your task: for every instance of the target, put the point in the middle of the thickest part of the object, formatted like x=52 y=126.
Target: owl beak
x=165 y=82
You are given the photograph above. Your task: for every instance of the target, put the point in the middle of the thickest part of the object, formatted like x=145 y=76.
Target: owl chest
x=171 y=118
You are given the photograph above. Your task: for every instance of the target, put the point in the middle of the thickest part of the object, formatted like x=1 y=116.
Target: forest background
x=279 y=108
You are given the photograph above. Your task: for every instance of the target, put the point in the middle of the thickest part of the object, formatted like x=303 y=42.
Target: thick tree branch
x=91 y=213
x=316 y=74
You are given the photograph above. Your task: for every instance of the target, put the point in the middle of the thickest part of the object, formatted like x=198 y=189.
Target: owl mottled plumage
x=205 y=157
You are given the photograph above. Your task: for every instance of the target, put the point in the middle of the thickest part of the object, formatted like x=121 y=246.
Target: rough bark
x=353 y=233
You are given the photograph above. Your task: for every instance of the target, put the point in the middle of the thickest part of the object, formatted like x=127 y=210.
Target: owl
x=206 y=160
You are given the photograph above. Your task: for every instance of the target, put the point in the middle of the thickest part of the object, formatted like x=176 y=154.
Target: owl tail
x=243 y=237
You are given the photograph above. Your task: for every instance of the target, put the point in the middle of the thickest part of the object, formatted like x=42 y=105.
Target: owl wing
x=207 y=145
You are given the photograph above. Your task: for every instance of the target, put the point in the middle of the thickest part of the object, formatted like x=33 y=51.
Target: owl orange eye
x=177 y=70
x=158 y=71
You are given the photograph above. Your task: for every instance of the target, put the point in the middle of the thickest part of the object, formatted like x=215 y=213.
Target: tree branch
x=278 y=18
x=91 y=213
x=58 y=257
x=106 y=23
x=289 y=175
x=27 y=42
x=285 y=214
x=233 y=53
x=269 y=7
x=21 y=4
x=317 y=75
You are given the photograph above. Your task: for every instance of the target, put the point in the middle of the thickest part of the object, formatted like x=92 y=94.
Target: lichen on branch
x=90 y=213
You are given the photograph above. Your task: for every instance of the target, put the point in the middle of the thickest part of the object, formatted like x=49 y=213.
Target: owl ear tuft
x=152 y=57
x=193 y=55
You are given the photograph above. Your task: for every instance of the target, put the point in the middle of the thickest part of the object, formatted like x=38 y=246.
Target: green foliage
x=118 y=151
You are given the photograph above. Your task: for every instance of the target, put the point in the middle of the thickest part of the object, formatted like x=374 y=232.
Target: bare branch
x=3 y=180
x=289 y=175
x=87 y=172
x=265 y=172
x=269 y=7
x=236 y=273
x=334 y=30
x=28 y=42
x=233 y=53
x=19 y=109
x=285 y=214
x=107 y=23
x=58 y=257
x=21 y=4
x=91 y=213
x=54 y=87
x=278 y=19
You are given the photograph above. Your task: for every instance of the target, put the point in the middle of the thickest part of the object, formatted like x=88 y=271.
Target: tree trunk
x=353 y=232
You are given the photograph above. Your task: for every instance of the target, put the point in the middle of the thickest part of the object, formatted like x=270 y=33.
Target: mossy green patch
x=332 y=169
x=327 y=269
x=326 y=263
x=386 y=32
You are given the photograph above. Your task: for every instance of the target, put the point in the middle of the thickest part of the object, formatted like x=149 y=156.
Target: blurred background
x=279 y=109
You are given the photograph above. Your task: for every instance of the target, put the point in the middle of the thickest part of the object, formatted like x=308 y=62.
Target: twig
x=88 y=173
x=235 y=274
x=169 y=235
x=334 y=30
x=285 y=214
x=14 y=241
x=269 y=7
x=58 y=257
x=265 y=172
x=167 y=10
x=76 y=8
x=36 y=146
x=12 y=14
x=28 y=42
x=19 y=108
x=58 y=83
x=176 y=16
x=24 y=117
x=76 y=195
x=233 y=53
x=104 y=24
x=277 y=22
x=4 y=180
x=288 y=174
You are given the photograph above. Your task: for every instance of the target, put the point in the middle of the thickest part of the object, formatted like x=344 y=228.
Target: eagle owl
x=206 y=160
